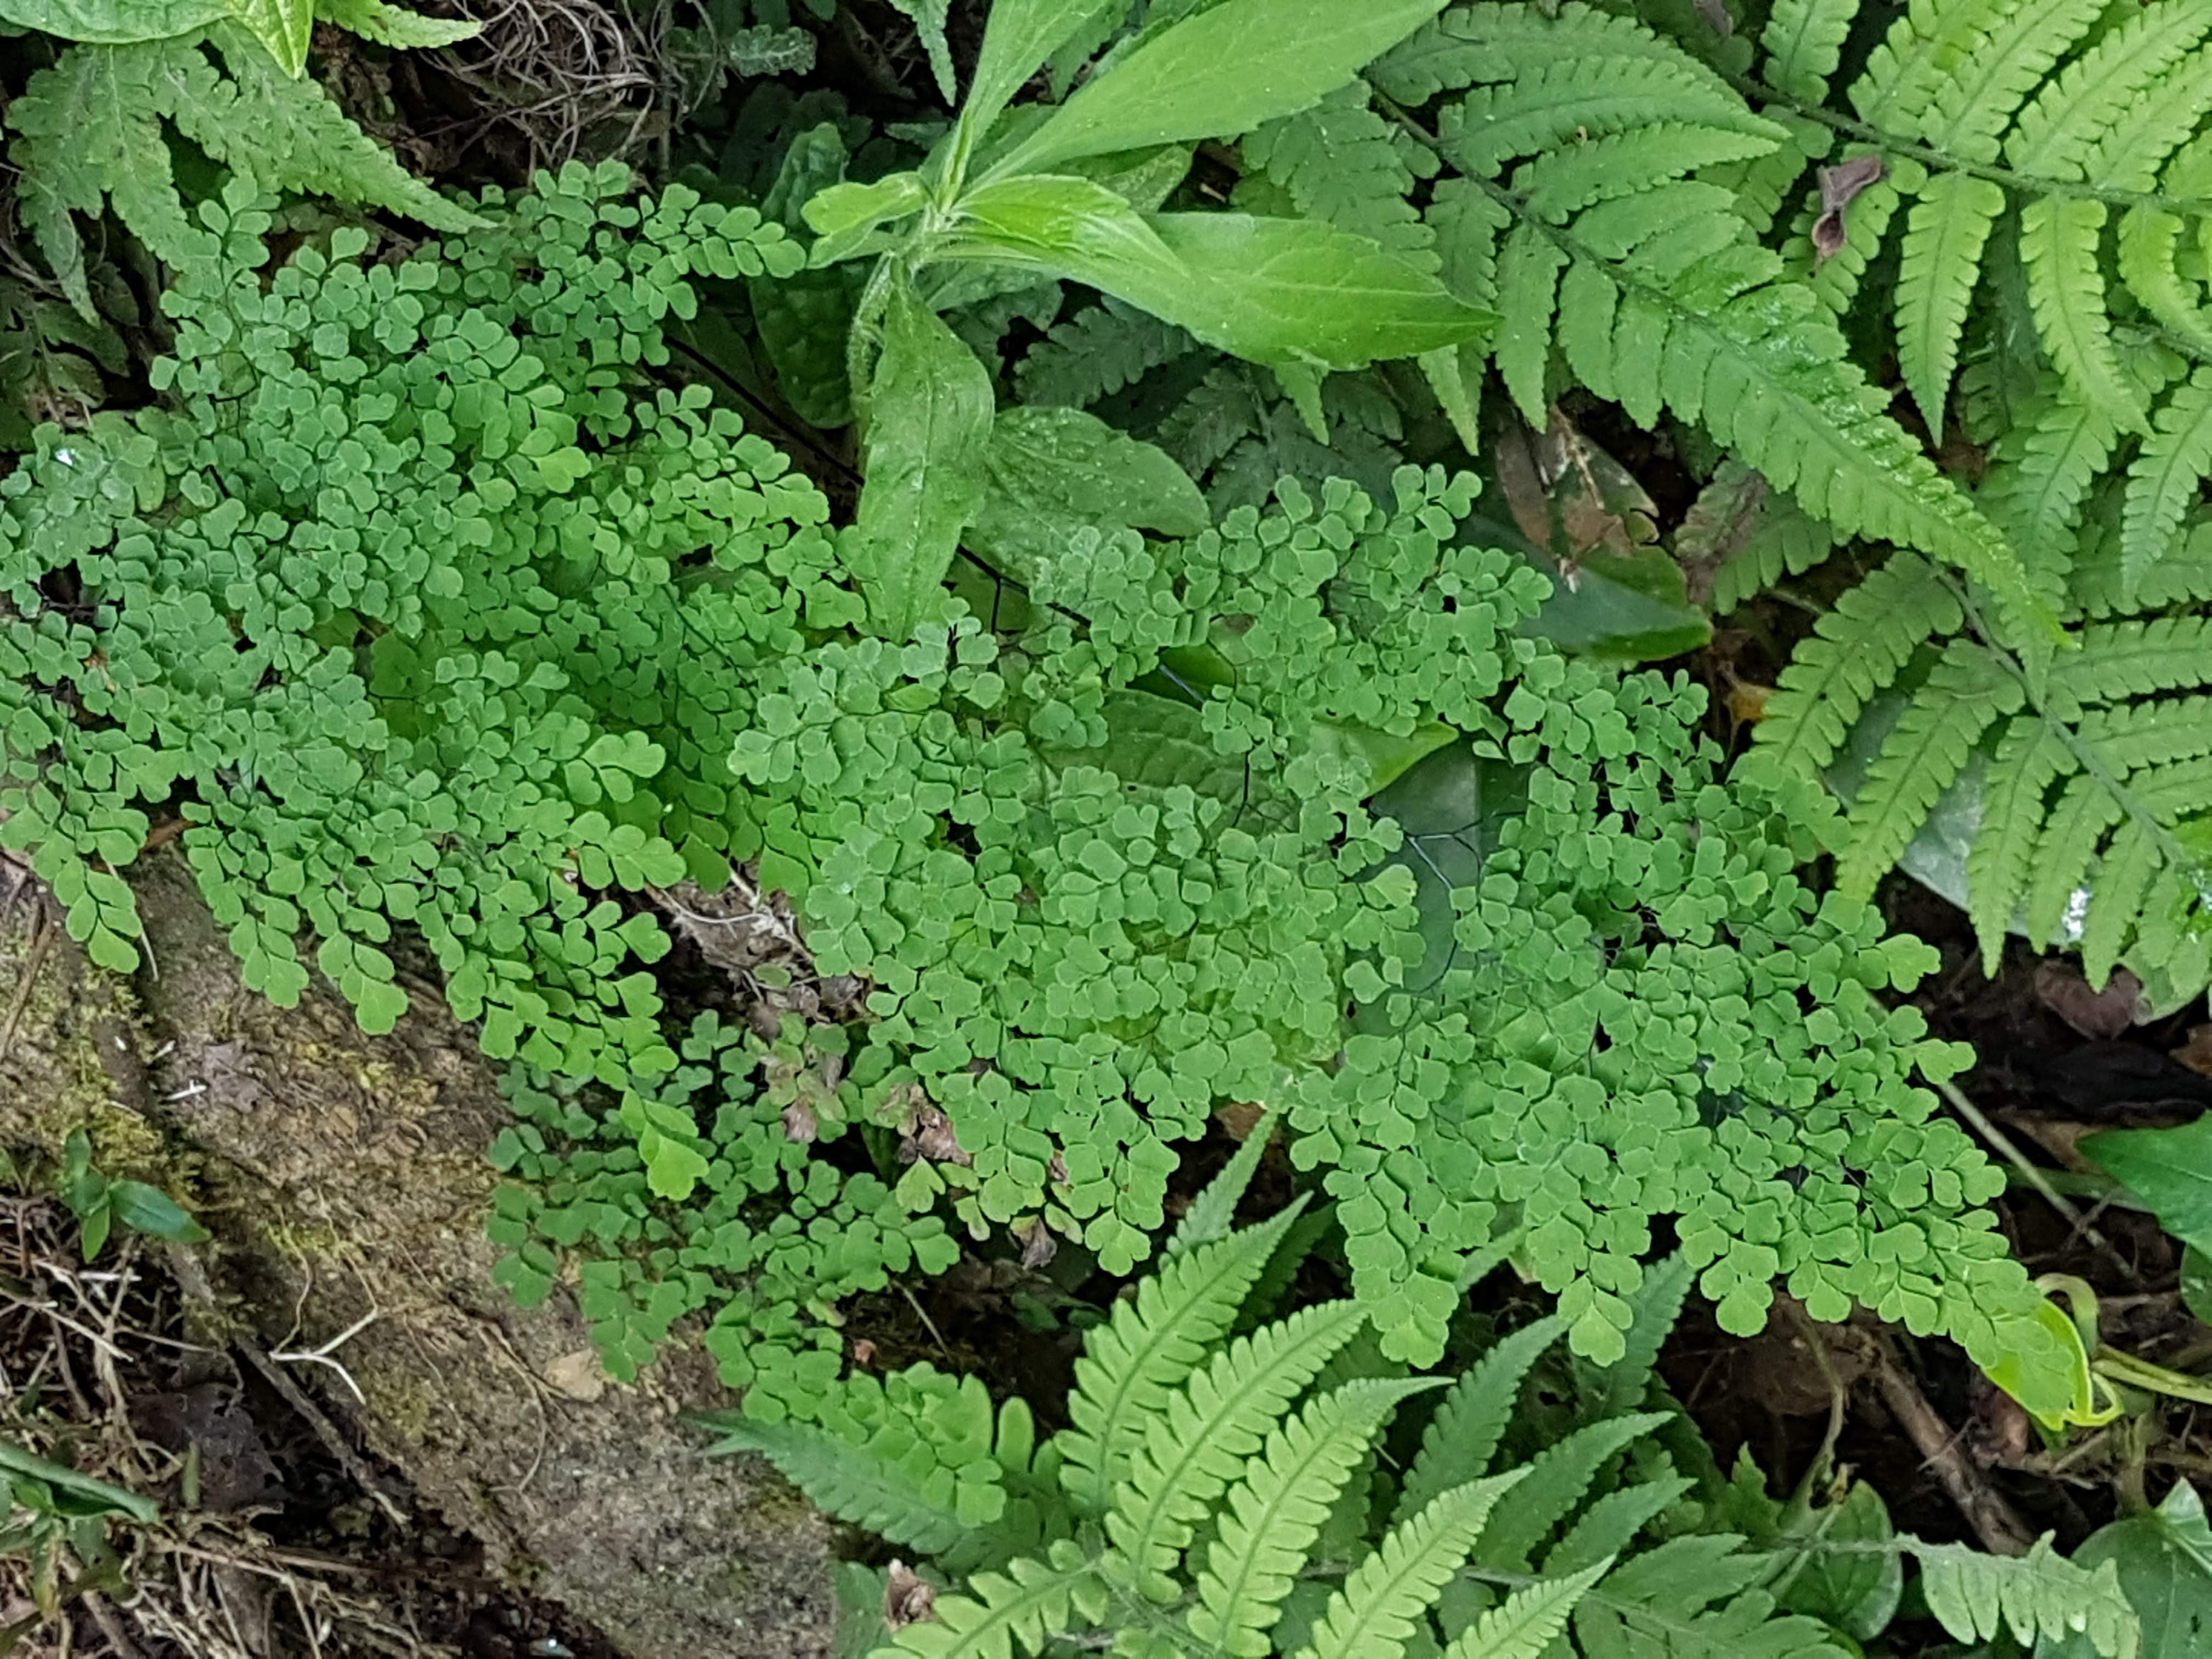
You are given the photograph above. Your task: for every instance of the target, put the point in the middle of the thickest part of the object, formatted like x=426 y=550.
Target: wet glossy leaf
x=1049 y=472
x=2169 y=1170
x=2165 y=1562
x=1230 y=68
x=929 y=431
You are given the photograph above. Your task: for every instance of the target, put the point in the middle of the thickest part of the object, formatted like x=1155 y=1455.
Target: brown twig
x=192 y=1279
x=1987 y=1510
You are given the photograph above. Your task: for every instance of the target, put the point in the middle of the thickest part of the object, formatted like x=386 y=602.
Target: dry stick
x=1995 y=1521
x=111 y=1627
x=192 y=1278
x=2003 y=1145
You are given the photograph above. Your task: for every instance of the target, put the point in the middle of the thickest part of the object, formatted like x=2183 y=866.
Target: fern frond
x=2150 y=241
x=1978 y=1597
x=2056 y=133
x=1559 y=108
x=1202 y=1439
x=1528 y=284
x=1468 y=221
x=2060 y=238
x=391 y=26
x=2030 y=759
x=2041 y=475
x=879 y=1482
x=1018 y=1611
x=1463 y=1434
x=2183 y=577
x=1149 y=1348
x=2166 y=476
x=1610 y=1525
x=1766 y=370
x=1589 y=312
x=1470 y=45
x=1836 y=280
x=1217 y=414
x=1856 y=650
x=1527 y=1622
x=1949 y=227
x=1557 y=1477
x=1212 y=1213
x=1803 y=40
x=1096 y=353
x=2132 y=736
x=1975 y=103
x=1380 y=1607
x=1560 y=183
x=1271 y=1517
x=1341 y=161
x=2068 y=847
x=1763 y=184
x=89 y=133
x=2132 y=154
x=1741 y=536
x=1969 y=690
x=2126 y=659
x=1663 y=1601
x=2124 y=878
x=1924 y=50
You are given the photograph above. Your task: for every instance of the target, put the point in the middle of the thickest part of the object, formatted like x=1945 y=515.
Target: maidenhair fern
x=1244 y=1511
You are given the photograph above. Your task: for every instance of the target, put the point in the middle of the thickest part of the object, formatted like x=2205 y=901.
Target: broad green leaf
x=1275 y=291
x=153 y=1211
x=1587 y=522
x=1049 y=472
x=2196 y=1282
x=1232 y=68
x=1857 y=1593
x=844 y=216
x=804 y=320
x=1453 y=807
x=2038 y=1358
x=2165 y=1561
x=59 y=1477
x=284 y=26
x=2169 y=1170
x=112 y=22
x=1159 y=741
x=1020 y=36
x=929 y=430
x=1384 y=757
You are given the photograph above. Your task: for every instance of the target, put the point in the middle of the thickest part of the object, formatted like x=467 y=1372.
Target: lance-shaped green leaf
x=929 y=430
x=1050 y=471
x=1276 y=291
x=1020 y=36
x=844 y=215
x=1231 y=68
x=282 y=26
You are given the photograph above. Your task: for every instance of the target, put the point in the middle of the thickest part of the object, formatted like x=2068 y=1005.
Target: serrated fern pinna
x=1231 y=1484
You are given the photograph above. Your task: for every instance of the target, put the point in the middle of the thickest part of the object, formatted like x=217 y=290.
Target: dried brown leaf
x=2102 y=1015
x=1840 y=186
